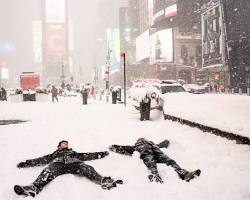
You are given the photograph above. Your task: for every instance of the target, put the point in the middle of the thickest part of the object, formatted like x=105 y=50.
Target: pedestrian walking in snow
x=151 y=154
x=54 y=92
x=84 y=93
x=3 y=94
x=64 y=161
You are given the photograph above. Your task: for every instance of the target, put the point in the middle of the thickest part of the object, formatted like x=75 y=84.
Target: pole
x=124 y=75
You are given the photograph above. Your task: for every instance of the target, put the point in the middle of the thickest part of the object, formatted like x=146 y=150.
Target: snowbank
x=226 y=112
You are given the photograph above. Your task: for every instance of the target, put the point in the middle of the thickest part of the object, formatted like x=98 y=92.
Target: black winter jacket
x=144 y=149
x=64 y=156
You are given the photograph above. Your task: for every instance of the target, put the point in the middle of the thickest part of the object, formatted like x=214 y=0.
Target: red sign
x=29 y=81
x=55 y=40
x=3 y=63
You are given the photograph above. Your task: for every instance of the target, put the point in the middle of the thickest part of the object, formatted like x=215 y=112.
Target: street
x=224 y=164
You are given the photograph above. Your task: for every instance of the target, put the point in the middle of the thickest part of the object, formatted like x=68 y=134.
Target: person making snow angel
x=151 y=154
x=64 y=161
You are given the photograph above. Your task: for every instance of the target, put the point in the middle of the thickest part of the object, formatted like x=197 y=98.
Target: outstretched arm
x=127 y=150
x=163 y=144
x=36 y=162
x=92 y=156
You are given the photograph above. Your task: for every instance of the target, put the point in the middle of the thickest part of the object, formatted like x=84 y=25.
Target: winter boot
x=187 y=176
x=155 y=178
x=26 y=190
x=108 y=183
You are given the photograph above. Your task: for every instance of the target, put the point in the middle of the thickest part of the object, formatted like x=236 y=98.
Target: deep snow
x=93 y=127
x=224 y=111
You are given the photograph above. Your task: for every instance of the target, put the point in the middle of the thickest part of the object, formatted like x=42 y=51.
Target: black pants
x=151 y=161
x=114 y=97
x=54 y=97
x=84 y=98
x=56 y=169
x=145 y=110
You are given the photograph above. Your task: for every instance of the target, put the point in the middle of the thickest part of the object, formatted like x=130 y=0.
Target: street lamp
x=108 y=63
x=124 y=75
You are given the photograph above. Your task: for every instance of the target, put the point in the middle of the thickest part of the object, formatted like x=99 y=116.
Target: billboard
x=161 y=47
x=55 y=11
x=37 y=41
x=212 y=37
x=7 y=47
x=55 y=40
x=142 y=46
x=150 y=11
x=4 y=73
x=113 y=36
x=164 y=10
x=171 y=11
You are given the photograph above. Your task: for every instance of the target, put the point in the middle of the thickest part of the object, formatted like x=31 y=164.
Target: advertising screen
x=161 y=47
x=164 y=9
x=4 y=73
x=142 y=46
x=55 y=11
x=212 y=37
x=7 y=47
x=171 y=11
x=150 y=11
x=55 y=40
x=113 y=36
x=37 y=41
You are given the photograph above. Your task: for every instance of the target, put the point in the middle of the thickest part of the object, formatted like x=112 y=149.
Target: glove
x=22 y=165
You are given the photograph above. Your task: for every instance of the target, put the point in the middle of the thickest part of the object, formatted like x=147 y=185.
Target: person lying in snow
x=64 y=161
x=151 y=154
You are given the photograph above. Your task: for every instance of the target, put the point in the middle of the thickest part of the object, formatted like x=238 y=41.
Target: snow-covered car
x=67 y=93
x=168 y=90
x=171 y=88
x=41 y=90
x=140 y=90
x=194 y=88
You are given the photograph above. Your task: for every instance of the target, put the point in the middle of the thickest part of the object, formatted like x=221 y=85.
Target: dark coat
x=144 y=149
x=65 y=156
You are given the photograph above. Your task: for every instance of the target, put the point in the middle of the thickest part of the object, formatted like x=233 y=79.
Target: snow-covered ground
x=224 y=111
x=93 y=127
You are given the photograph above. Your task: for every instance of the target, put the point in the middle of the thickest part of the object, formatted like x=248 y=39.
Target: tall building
x=55 y=42
x=237 y=28
x=144 y=15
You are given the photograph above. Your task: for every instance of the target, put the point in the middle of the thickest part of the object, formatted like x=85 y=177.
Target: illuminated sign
x=55 y=11
x=151 y=11
x=4 y=73
x=171 y=11
x=142 y=46
x=113 y=36
x=212 y=37
x=55 y=40
x=7 y=47
x=37 y=41
x=161 y=47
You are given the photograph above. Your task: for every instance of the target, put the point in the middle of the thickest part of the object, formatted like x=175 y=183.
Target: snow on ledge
x=226 y=112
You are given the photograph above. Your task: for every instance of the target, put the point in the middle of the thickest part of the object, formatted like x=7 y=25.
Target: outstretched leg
x=46 y=176
x=151 y=164
x=182 y=173
x=88 y=171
